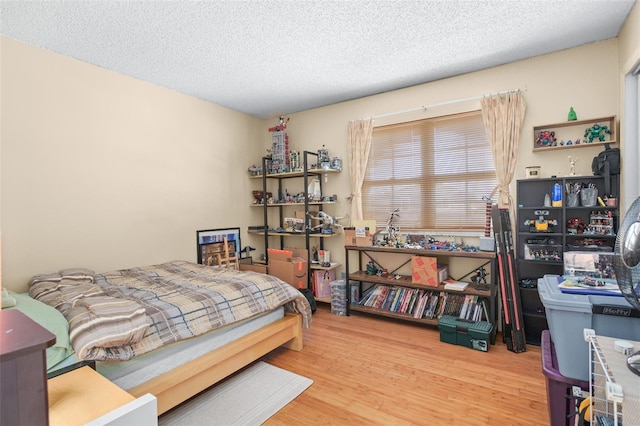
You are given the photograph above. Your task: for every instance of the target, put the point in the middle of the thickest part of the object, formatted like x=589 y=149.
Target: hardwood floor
x=371 y=370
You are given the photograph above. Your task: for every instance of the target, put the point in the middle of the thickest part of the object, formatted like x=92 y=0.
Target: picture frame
x=210 y=242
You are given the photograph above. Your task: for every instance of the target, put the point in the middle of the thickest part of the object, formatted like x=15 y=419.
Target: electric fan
x=626 y=264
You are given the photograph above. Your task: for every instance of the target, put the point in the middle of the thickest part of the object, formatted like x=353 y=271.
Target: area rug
x=248 y=398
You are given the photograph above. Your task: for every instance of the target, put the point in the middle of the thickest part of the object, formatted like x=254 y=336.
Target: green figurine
x=572 y=115
x=596 y=131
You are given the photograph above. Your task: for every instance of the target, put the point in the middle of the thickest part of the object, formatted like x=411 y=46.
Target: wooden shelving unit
x=360 y=276
x=574 y=130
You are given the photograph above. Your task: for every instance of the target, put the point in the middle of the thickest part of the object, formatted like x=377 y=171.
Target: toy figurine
x=572 y=115
x=391 y=237
x=371 y=268
x=255 y=170
x=294 y=161
x=327 y=222
x=282 y=126
x=596 y=131
x=323 y=157
x=541 y=224
x=572 y=163
x=546 y=138
x=480 y=279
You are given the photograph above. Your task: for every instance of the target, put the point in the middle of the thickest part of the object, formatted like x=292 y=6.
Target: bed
x=171 y=330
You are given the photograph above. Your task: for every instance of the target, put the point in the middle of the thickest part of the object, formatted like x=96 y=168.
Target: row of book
x=423 y=303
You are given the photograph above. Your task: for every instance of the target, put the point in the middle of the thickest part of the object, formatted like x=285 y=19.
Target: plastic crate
x=569 y=314
x=560 y=403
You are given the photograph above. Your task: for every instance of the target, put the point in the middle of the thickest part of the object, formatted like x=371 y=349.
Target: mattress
x=131 y=373
x=119 y=315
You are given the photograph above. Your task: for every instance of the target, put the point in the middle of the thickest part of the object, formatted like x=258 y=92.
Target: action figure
x=480 y=279
x=327 y=222
x=596 y=131
x=572 y=169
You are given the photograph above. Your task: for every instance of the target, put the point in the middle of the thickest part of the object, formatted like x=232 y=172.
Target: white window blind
x=436 y=171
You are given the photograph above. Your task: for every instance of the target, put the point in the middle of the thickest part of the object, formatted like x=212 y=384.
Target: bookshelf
x=402 y=300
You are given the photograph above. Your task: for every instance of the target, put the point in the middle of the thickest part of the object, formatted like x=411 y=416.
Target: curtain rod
x=425 y=107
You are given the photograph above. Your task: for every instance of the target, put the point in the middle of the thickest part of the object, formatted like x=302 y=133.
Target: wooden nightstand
x=84 y=397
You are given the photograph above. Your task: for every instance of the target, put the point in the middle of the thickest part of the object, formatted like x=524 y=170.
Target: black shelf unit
x=307 y=232
x=530 y=201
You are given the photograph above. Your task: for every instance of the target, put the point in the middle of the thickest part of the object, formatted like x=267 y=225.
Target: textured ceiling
x=267 y=58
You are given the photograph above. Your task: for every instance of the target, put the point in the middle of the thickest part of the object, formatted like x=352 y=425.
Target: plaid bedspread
x=118 y=315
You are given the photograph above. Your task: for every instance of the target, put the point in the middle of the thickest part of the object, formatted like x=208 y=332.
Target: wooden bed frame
x=187 y=380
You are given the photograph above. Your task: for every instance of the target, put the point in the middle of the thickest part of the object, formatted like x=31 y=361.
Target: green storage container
x=457 y=331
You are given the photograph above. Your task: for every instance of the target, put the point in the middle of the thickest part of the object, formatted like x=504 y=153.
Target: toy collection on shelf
x=328 y=225
x=281 y=160
x=391 y=236
x=285 y=160
x=543 y=252
x=600 y=223
x=596 y=132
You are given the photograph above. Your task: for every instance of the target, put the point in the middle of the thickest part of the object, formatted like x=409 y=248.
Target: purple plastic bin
x=561 y=408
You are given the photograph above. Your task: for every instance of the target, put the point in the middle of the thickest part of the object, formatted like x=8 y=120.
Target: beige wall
x=551 y=84
x=103 y=171
x=586 y=78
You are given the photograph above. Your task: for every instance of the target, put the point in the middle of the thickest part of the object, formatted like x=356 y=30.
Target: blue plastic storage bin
x=569 y=314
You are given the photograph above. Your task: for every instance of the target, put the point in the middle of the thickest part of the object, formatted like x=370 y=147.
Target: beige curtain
x=503 y=115
x=360 y=133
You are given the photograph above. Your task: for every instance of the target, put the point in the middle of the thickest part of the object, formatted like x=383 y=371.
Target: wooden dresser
x=23 y=370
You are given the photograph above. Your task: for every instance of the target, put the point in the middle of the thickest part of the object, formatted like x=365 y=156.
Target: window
x=436 y=171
